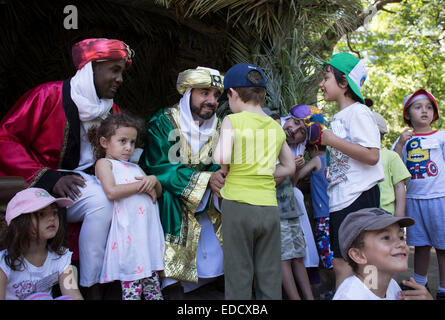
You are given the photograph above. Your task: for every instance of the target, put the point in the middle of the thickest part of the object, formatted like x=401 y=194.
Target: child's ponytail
x=93 y=137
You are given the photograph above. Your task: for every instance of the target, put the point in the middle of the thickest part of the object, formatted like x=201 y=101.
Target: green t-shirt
x=256 y=146
x=395 y=171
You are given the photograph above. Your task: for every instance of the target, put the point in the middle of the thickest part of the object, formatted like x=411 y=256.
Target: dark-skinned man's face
x=108 y=77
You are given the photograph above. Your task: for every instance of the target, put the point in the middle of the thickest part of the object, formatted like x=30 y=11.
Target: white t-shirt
x=349 y=178
x=353 y=288
x=424 y=156
x=32 y=279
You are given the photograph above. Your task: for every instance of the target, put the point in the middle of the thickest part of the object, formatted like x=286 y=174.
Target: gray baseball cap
x=366 y=220
x=381 y=123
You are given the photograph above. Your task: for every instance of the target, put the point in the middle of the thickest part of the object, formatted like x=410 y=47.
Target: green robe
x=183 y=186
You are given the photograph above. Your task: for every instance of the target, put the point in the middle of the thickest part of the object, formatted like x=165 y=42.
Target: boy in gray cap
x=372 y=241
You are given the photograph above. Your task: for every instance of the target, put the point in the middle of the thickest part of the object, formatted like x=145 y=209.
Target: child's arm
x=358 y=152
x=286 y=167
x=3 y=282
x=114 y=191
x=400 y=195
x=68 y=284
x=404 y=137
x=223 y=151
x=150 y=185
x=312 y=165
x=279 y=180
x=149 y=182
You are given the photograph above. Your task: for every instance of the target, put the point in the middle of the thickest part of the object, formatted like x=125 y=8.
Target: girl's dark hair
x=340 y=77
x=17 y=237
x=108 y=127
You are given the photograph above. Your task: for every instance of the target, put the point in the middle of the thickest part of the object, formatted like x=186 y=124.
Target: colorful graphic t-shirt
x=424 y=156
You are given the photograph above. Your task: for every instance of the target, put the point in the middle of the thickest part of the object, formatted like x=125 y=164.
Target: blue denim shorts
x=429 y=229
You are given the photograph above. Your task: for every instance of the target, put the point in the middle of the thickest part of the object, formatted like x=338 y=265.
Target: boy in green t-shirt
x=249 y=144
x=392 y=189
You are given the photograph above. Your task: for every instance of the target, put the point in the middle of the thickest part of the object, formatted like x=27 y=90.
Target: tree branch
x=350 y=48
x=327 y=42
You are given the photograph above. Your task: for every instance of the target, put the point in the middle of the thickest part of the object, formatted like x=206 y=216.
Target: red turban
x=100 y=49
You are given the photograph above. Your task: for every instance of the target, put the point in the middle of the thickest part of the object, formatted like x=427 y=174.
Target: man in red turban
x=43 y=139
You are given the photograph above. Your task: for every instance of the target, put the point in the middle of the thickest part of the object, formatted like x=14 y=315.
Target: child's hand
x=418 y=292
x=147 y=184
x=405 y=136
x=299 y=162
x=326 y=136
x=152 y=194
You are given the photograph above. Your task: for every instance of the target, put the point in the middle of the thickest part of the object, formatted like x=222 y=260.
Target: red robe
x=40 y=134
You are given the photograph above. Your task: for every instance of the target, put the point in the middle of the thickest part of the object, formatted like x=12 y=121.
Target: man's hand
x=67 y=186
x=217 y=180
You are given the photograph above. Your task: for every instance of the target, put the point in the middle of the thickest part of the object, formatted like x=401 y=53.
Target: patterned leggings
x=150 y=287
x=322 y=241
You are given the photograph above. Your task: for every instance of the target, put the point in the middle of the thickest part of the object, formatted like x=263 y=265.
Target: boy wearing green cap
x=353 y=153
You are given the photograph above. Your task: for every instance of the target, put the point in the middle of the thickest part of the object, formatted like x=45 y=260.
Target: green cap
x=353 y=68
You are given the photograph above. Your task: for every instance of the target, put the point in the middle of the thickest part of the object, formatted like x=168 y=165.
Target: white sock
x=440 y=289
x=420 y=279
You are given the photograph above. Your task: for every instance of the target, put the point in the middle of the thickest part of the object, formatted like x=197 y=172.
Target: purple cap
x=300 y=111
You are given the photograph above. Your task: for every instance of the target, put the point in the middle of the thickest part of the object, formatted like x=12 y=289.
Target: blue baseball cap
x=236 y=77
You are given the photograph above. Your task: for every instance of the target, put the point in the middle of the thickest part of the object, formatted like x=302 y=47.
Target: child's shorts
x=368 y=199
x=293 y=244
x=429 y=229
x=322 y=241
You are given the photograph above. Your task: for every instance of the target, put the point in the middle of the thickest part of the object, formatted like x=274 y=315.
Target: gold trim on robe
x=180 y=254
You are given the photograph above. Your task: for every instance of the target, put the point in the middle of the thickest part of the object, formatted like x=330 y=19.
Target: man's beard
x=203 y=115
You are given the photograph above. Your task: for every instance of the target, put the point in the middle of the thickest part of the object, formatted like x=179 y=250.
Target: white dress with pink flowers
x=135 y=245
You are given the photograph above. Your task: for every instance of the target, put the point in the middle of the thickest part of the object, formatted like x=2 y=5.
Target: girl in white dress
x=135 y=247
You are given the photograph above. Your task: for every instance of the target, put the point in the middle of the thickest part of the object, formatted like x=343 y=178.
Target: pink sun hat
x=32 y=200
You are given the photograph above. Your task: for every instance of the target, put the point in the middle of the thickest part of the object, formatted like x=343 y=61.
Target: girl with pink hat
x=34 y=259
